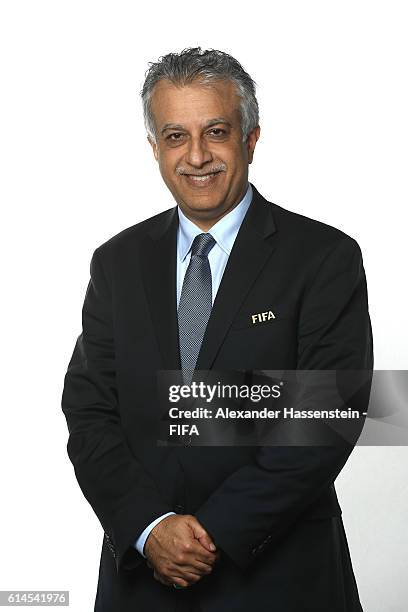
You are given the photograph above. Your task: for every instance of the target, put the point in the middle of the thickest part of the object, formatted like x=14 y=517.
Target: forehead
x=194 y=102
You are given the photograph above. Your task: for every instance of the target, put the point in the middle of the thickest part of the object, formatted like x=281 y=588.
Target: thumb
x=207 y=542
x=201 y=535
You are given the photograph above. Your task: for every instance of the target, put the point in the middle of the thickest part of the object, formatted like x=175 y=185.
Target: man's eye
x=175 y=136
x=217 y=132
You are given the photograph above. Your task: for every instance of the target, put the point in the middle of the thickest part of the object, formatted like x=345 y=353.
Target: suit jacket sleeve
x=258 y=503
x=123 y=496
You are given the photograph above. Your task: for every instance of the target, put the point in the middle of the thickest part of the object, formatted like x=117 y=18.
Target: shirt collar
x=224 y=231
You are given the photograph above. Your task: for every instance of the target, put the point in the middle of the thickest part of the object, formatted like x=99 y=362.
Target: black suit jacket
x=272 y=511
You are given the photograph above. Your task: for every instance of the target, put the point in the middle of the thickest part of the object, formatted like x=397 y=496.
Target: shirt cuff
x=140 y=542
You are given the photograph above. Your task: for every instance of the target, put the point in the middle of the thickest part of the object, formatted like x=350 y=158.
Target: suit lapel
x=248 y=256
x=158 y=262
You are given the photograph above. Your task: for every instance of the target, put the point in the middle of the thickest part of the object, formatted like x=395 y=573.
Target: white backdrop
x=76 y=169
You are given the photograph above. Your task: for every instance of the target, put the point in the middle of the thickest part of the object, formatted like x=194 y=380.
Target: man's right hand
x=180 y=551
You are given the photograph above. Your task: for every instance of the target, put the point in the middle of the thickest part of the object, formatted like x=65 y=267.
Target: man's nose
x=197 y=153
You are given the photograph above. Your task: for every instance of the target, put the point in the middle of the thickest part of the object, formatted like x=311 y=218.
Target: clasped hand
x=180 y=551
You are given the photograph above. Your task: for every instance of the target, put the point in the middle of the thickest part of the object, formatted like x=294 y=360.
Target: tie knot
x=202 y=245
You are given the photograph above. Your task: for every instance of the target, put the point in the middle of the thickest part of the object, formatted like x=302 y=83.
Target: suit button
x=179 y=509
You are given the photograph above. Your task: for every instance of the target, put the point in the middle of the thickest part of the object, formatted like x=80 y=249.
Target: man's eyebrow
x=171 y=126
x=178 y=126
x=217 y=120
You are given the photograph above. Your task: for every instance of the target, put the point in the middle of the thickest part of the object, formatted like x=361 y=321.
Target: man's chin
x=203 y=211
x=200 y=199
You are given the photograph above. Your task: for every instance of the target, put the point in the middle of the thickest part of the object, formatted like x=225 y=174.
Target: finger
x=217 y=556
x=193 y=550
x=187 y=568
x=195 y=562
x=199 y=568
x=187 y=572
x=199 y=532
x=163 y=579
x=207 y=542
x=203 y=558
x=185 y=577
x=180 y=582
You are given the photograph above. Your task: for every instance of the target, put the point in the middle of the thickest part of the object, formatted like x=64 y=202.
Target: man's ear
x=253 y=136
x=154 y=147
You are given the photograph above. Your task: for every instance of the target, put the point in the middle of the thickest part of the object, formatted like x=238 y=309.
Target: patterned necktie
x=195 y=304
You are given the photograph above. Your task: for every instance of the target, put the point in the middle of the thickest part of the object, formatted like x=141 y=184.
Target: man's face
x=199 y=147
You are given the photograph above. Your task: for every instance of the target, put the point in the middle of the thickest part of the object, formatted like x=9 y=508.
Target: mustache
x=221 y=167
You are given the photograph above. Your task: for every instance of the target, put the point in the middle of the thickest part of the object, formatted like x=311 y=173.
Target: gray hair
x=206 y=66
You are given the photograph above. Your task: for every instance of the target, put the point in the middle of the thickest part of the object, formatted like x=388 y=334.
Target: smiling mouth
x=202 y=178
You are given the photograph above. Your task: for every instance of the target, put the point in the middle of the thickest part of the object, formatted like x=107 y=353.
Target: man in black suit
x=223 y=527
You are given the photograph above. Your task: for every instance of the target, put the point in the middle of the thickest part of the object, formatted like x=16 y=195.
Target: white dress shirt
x=224 y=233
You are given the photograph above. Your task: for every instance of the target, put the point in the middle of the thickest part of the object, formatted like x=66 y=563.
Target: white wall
x=77 y=169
